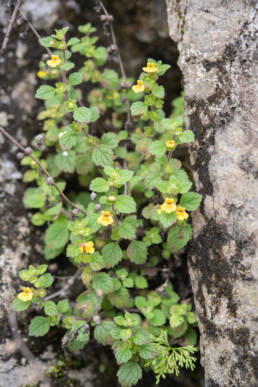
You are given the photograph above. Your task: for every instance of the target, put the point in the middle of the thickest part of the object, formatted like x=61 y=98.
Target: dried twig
x=10 y=26
x=114 y=41
x=62 y=292
x=51 y=180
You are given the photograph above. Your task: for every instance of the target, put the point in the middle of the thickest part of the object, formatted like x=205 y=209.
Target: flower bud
x=50 y=180
x=93 y=196
x=97 y=207
x=20 y=156
x=28 y=150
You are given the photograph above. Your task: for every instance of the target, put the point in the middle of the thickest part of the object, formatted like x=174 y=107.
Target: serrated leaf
x=158 y=91
x=147 y=351
x=129 y=374
x=122 y=355
x=65 y=161
x=46 y=41
x=190 y=200
x=158 y=148
x=186 y=136
x=110 y=79
x=102 y=332
x=102 y=155
x=178 y=236
x=34 y=198
x=138 y=108
x=67 y=66
x=158 y=319
x=45 y=281
x=128 y=227
x=39 y=326
x=82 y=114
x=45 y=92
x=137 y=252
x=75 y=78
x=73 y=41
x=57 y=234
x=100 y=56
x=167 y=220
x=125 y=204
x=50 y=308
x=103 y=282
x=110 y=139
x=63 y=306
x=112 y=254
x=19 y=305
x=99 y=185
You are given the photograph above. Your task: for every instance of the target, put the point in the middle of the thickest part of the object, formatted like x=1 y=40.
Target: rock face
x=218 y=57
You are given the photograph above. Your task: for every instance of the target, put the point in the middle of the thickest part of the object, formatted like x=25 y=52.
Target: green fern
x=169 y=359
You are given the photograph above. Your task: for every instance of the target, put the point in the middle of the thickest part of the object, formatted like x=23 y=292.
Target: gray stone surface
x=217 y=42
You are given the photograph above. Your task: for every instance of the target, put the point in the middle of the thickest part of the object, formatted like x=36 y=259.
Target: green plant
x=123 y=216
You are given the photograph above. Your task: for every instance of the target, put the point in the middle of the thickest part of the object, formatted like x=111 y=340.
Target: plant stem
x=64 y=197
x=10 y=25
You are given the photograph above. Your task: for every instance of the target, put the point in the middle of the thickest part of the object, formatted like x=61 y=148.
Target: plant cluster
x=121 y=217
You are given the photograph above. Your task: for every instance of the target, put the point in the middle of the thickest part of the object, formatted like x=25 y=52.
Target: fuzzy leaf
x=57 y=234
x=137 y=252
x=112 y=254
x=45 y=92
x=190 y=200
x=103 y=282
x=125 y=204
x=122 y=355
x=102 y=155
x=129 y=374
x=128 y=227
x=39 y=326
x=138 y=108
x=99 y=185
x=178 y=236
x=158 y=148
x=75 y=78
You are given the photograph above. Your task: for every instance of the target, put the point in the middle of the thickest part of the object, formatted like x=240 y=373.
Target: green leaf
x=103 y=332
x=158 y=148
x=176 y=320
x=57 y=234
x=129 y=374
x=50 y=308
x=141 y=283
x=138 y=108
x=73 y=41
x=167 y=219
x=34 y=198
x=190 y=336
x=102 y=155
x=137 y=252
x=186 y=136
x=190 y=200
x=125 y=204
x=94 y=114
x=191 y=318
x=39 y=326
x=112 y=254
x=158 y=319
x=51 y=254
x=128 y=227
x=82 y=114
x=100 y=56
x=110 y=139
x=147 y=351
x=158 y=91
x=45 y=92
x=19 y=305
x=45 y=281
x=65 y=161
x=67 y=66
x=110 y=79
x=122 y=355
x=103 y=282
x=63 y=306
x=75 y=78
x=68 y=139
x=99 y=185
x=178 y=236
x=45 y=42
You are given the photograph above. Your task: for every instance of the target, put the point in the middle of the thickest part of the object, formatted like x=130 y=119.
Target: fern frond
x=169 y=359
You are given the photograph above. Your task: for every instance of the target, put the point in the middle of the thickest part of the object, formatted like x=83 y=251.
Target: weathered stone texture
x=217 y=41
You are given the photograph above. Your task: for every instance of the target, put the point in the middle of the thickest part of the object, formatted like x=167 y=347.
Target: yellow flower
x=54 y=61
x=87 y=247
x=41 y=73
x=151 y=68
x=26 y=295
x=116 y=94
x=139 y=87
x=168 y=206
x=105 y=219
x=181 y=213
x=170 y=144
